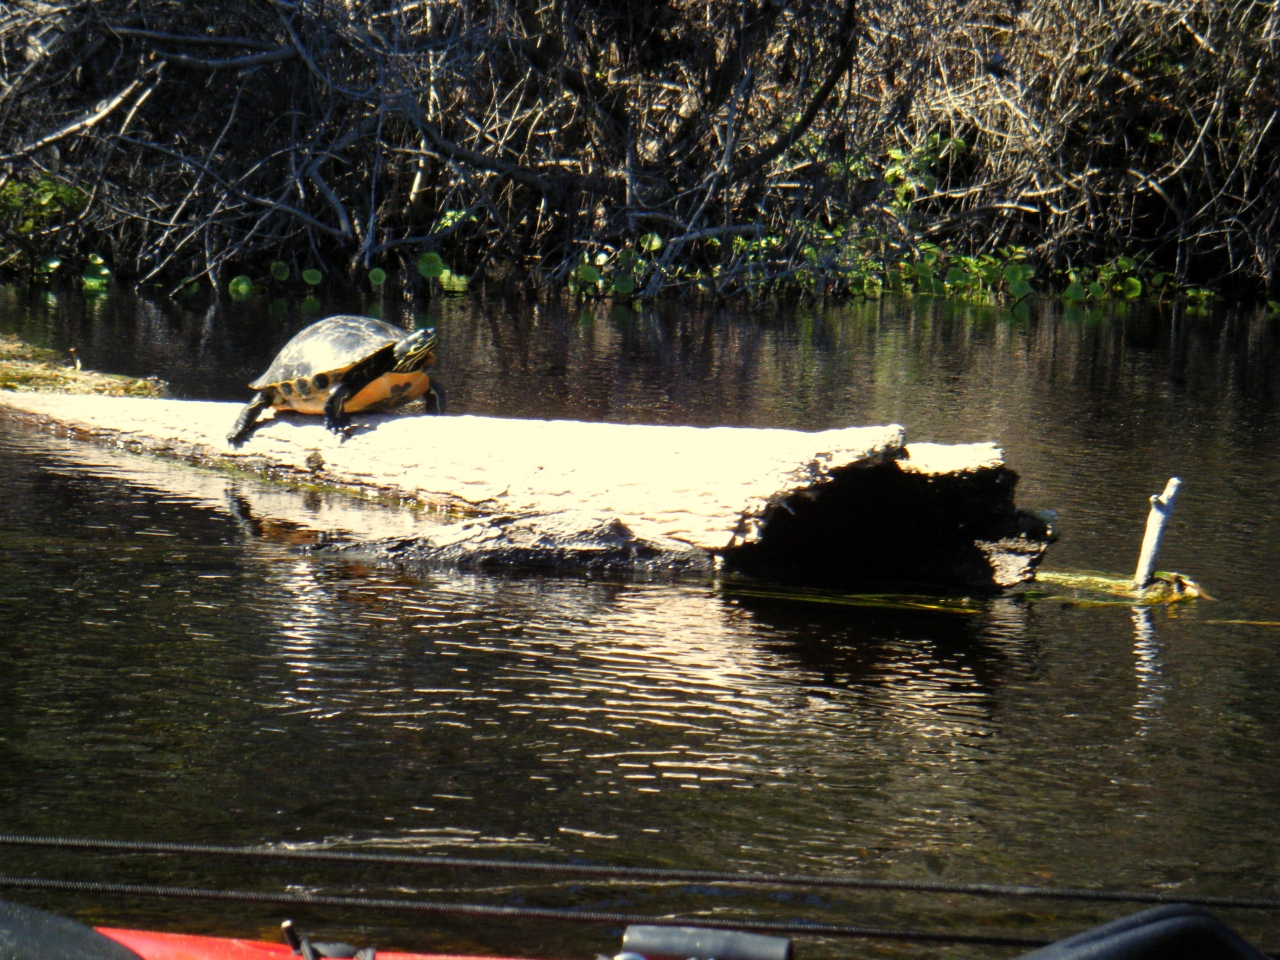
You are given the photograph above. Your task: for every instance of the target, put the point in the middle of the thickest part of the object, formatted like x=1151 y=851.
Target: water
x=170 y=673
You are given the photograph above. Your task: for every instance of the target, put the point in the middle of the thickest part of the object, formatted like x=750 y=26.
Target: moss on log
x=853 y=506
x=25 y=368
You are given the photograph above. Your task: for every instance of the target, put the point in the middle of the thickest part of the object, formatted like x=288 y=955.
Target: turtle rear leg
x=434 y=399
x=335 y=418
x=247 y=422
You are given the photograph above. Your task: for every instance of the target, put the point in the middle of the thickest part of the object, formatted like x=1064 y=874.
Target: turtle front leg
x=335 y=418
x=248 y=419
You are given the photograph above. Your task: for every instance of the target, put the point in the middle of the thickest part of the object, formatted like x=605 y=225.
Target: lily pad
x=430 y=265
x=240 y=287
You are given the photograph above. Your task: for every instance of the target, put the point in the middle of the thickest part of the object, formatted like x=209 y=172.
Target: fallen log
x=853 y=506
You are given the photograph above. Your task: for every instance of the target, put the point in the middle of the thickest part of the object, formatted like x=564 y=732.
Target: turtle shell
x=330 y=346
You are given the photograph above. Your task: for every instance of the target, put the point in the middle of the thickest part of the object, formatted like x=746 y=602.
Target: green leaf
x=625 y=256
x=240 y=287
x=924 y=272
x=430 y=265
x=96 y=273
x=624 y=284
x=310 y=306
x=1012 y=272
x=451 y=217
x=50 y=264
x=453 y=282
x=1075 y=292
x=1020 y=288
x=377 y=276
x=1126 y=265
x=1273 y=306
x=312 y=276
x=280 y=271
x=588 y=273
x=956 y=276
x=1158 y=280
x=650 y=242
x=1132 y=287
x=1097 y=290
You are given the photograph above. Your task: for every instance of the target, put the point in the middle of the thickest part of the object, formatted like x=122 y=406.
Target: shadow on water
x=175 y=666
x=849 y=639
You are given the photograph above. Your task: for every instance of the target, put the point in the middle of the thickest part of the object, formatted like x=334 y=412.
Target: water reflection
x=176 y=665
x=1148 y=670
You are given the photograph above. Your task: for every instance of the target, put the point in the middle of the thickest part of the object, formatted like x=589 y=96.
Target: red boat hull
x=182 y=946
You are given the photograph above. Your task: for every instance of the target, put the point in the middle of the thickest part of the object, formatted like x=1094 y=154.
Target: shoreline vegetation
x=987 y=150
x=28 y=369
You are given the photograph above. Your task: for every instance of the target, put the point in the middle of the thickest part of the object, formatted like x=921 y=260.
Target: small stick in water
x=1161 y=507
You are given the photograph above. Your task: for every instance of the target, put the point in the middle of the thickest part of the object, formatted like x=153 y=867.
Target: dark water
x=167 y=674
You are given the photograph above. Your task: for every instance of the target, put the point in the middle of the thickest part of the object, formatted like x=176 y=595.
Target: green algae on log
x=852 y=506
x=26 y=369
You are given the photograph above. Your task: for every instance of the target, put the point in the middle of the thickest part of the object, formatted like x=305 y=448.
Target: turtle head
x=414 y=351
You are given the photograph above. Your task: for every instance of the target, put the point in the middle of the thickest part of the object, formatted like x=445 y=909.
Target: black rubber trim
x=645 y=873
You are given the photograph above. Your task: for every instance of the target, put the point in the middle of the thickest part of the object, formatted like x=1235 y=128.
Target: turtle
x=342 y=365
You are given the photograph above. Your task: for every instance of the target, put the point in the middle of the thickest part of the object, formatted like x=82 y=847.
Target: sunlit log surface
x=853 y=506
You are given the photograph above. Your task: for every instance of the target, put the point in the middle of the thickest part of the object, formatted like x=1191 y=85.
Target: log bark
x=852 y=506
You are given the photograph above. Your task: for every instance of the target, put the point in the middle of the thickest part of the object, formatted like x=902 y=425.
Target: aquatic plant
x=430 y=265
x=26 y=368
x=96 y=274
x=240 y=288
